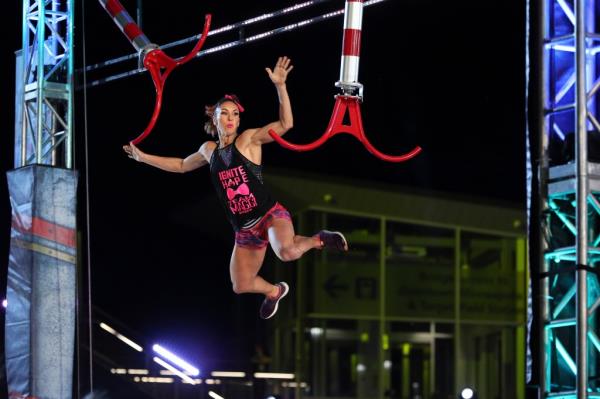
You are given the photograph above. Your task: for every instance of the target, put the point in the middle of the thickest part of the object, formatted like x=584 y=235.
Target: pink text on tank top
x=234 y=180
x=233 y=177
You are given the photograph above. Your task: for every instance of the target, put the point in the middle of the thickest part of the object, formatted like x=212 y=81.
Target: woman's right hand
x=133 y=152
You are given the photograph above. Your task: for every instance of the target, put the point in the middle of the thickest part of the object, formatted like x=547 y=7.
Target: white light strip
x=175 y=359
x=174 y=370
x=256 y=19
x=159 y=380
x=123 y=338
x=293 y=384
x=215 y=395
x=118 y=371
x=130 y=343
x=279 y=376
x=232 y=374
x=167 y=372
x=137 y=371
x=108 y=328
x=196 y=380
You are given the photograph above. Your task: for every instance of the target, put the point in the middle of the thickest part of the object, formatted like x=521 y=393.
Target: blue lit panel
x=560 y=362
x=562 y=18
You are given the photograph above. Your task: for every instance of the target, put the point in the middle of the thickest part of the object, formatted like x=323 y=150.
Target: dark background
x=446 y=76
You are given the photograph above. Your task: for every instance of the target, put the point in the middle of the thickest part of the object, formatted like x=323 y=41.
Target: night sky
x=456 y=88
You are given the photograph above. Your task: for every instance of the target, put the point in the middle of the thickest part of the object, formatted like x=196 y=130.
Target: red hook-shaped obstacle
x=160 y=66
x=343 y=102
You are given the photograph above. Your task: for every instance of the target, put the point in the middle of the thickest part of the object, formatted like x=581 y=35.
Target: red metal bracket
x=343 y=102
x=160 y=66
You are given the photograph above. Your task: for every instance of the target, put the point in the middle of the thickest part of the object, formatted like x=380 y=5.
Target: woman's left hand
x=279 y=74
x=133 y=152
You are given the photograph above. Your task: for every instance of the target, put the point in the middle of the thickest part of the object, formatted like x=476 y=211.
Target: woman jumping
x=236 y=171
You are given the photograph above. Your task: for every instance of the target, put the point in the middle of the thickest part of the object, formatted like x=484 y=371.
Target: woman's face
x=227 y=118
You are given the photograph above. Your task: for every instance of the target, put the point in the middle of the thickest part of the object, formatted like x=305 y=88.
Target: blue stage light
x=176 y=360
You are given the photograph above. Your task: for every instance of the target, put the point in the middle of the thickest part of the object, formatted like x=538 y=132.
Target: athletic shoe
x=270 y=305
x=333 y=240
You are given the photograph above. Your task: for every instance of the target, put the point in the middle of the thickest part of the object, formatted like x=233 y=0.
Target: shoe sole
x=341 y=236
x=287 y=289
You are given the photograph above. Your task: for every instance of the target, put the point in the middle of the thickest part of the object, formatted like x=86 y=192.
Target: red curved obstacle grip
x=160 y=67
x=336 y=126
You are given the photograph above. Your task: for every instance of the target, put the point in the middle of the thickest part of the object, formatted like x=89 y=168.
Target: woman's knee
x=287 y=253
x=242 y=286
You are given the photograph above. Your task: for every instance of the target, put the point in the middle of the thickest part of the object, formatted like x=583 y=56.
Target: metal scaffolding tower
x=44 y=88
x=41 y=287
x=569 y=184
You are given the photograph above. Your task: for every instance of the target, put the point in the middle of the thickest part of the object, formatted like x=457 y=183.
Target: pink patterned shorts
x=257 y=236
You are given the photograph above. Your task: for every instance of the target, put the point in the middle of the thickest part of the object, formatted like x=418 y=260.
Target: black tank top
x=239 y=185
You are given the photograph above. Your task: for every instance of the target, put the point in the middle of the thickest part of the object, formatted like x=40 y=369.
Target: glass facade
x=411 y=311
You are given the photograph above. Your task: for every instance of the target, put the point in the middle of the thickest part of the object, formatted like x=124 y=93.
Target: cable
x=87 y=198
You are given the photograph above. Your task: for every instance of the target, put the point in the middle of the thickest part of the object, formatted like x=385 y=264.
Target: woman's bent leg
x=286 y=244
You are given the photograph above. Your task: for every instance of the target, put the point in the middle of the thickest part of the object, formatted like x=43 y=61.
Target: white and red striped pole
x=124 y=21
x=351 y=48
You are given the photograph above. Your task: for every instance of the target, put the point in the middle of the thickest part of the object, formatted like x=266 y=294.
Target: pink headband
x=235 y=100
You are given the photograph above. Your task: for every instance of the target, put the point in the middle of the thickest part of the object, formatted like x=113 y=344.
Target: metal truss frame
x=45 y=88
x=569 y=285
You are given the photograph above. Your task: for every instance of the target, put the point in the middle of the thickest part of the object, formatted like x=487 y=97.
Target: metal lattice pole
x=569 y=183
x=45 y=85
x=581 y=193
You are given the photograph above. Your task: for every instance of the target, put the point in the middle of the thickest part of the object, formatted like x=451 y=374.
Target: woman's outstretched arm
x=171 y=164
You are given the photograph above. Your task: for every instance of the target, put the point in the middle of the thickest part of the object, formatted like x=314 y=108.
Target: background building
x=430 y=299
